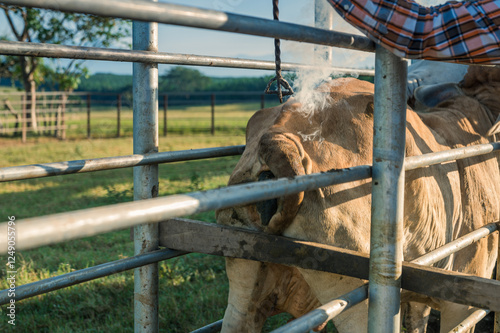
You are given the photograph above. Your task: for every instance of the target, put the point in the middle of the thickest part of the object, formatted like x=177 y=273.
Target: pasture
x=193 y=288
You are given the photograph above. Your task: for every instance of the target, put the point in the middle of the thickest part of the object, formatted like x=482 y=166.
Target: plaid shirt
x=466 y=32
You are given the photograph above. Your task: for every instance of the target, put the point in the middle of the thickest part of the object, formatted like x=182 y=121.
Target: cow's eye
x=269 y=207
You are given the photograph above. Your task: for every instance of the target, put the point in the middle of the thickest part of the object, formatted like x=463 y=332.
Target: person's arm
x=456 y=31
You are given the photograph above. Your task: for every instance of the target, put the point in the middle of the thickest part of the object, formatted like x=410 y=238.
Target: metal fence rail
x=87 y=274
x=109 y=163
x=205 y=19
x=332 y=309
x=95 y=53
x=39 y=231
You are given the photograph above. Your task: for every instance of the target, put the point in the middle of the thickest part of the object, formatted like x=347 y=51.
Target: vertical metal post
x=23 y=102
x=165 y=108
x=323 y=19
x=88 y=116
x=212 y=130
x=386 y=249
x=496 y=328
x=118 y=112
x=262 y=101
x=145 y=94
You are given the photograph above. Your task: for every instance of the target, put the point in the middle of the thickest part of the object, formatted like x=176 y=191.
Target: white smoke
x=308 y=80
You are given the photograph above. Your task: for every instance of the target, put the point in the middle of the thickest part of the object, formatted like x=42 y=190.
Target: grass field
x=193 y=288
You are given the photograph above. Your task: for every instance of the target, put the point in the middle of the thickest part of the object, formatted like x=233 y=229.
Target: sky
x=176 y=39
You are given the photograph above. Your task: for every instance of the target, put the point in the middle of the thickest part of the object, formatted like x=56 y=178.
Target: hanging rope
x=280 y=81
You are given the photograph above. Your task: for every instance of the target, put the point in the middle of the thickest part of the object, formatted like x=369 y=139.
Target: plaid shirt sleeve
x=466 y=32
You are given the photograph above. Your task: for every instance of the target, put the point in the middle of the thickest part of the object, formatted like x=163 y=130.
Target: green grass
x=193 y=288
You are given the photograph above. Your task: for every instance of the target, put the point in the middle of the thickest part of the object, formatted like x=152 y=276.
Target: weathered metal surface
x=195 y=236
x=145 y=93
x=211 y=328
x=51 y=229
x=107 y=163
x=108 y=54
x=325 y=312
x=337 y=306
x=386 y=240
x=87 y=274
x=203 y=18
x=470 y=321
x=496 y=327
x=456 y=245
x=415 y=162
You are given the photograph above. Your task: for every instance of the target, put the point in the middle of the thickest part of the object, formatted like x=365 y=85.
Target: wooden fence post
x=213 y=114
x=88 y=116
x=62 y=121
x=118 y=111
x=262 y=101
x=23 y=102
x=165 y=107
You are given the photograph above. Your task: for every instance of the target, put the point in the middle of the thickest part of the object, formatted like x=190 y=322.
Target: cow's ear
x=284 y=156
x=369 y=109
x=495 y=128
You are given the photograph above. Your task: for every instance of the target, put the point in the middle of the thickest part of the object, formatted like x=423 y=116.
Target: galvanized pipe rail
x=87 y=274
x=117 y=162
x=470 y=321
x=335 y=307
x=95 y=53
x=203 y=18
x=50 y=229
x=108 y=163
x=95 y=221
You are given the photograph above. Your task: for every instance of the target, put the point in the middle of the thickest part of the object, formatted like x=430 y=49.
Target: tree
x=184 y=79
x=45 y=26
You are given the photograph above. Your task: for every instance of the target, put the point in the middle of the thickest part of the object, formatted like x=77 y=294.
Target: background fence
x=79 y=115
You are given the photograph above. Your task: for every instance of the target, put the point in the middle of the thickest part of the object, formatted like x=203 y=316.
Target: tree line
x=182 y=79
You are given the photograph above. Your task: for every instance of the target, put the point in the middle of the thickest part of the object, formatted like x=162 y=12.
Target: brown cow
x=442 y=202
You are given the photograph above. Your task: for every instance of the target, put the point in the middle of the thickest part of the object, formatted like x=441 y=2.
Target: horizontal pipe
x=325 y=312
x=95 y=53
x=335 y=307
x=470 y=321
x=415 y=162
x=456 y=245
x=87 y=274
x=203 y=18
x=211 y=328
x=51 y=229
x=79 y=166
x=107 y=163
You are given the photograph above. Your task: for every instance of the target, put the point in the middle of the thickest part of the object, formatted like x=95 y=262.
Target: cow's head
x=285 y=142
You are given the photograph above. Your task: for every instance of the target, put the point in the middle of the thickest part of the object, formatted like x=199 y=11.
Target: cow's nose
x=267 y=208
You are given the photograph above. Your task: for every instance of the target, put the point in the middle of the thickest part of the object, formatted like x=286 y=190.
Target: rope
x=280 y=81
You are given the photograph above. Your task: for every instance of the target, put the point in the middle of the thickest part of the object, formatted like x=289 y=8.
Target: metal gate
x=387 y=271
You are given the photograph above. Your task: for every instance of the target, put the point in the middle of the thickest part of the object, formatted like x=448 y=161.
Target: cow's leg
x=244 y=313
x=453 y=314
x=415 y=317
x=259 y=290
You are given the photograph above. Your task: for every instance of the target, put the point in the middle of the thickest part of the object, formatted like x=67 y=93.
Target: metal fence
x=98 y=115
x=387 y=173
